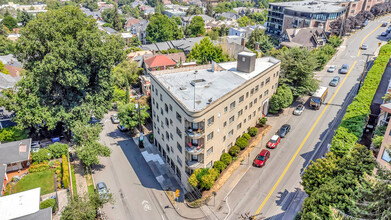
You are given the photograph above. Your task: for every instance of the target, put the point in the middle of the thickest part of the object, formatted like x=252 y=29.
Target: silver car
x=332 y=68
x=102 y=190
x=334 y=82
x=344 y=69
x=299 y=109
x=364 y=46
x=114 y=118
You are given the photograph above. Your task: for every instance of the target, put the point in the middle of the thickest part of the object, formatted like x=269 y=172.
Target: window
x=254 y=113
x=179 y=117
x=255 y=101
x=231 y=119
x=262 y=83
x=172 y=137
x=171 y=122
x=209 y=151
x=154 y=113
x=241 y=98
x=179 y=147
x=244 y=121
x=161 y=111
x=245 y=107
x=278 y=72
x=211 y=120
x=243 y=59
x=167 y=135
x=275 y=86
x=156 y=92
x=251 y=104
x=259 y=109
x=170 y=107
x=158 y=130
x=179 y=160
x=230 y=133
x=209 y=165
x=267 y=80
x=260 y=96
x=166 y=107
x=161 y=97
x=240 y=113
x=157 y=118
x=167 y=124
x=210 y=136
x=232 y=105
x=153 y=101
x=266 y=92
x=249 y=117
x=252 y=92
x=272 y=86
x=163 y=137
x=239 y=126
x=179 y=132
x=157 y=105
x=225 y=109
x=246 y=94
x=153 y=89
x=225 y=124
x=224 y=138
x=256 y=88
x=162 y=125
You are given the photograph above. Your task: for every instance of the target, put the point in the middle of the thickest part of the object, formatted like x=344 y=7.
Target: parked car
x=122 y=128
x=284 y=130
x=298 y=110
x=261 y=158
x=114 y=118
x=364 y=46
x=332 y=68
x=365 y=23
x=334 y=81
x=35 y=145
x=388 y=29
x=102 y=190
x=384 y=34
x=344 y=69
x=384 y=24
x=274 y=141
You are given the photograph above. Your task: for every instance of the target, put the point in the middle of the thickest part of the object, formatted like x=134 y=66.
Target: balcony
x=195 y=134
x=194 y=164
x=194 y=150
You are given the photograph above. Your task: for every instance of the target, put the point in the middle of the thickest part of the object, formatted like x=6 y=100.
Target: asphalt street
x=269 y=190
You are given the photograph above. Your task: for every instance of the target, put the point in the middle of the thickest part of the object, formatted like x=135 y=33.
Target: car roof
x=336 y=78
x=344 y=65
x=285 y=125
x=275 y=137
x=263 y=152
x=100 y=184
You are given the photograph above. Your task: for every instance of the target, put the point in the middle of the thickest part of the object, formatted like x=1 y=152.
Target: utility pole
x=363 y=71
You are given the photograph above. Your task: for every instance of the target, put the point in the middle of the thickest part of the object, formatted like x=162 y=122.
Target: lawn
x=44 y=179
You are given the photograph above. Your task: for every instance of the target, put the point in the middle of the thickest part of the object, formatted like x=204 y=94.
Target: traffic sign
x=177 y=193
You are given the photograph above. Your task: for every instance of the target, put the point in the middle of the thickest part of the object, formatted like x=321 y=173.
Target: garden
x=207 y=180
x=49 y=169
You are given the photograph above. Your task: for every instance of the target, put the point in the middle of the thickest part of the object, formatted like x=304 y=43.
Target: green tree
x=25 y=18
x=297 y=70
x=159 y=8
x=13 y=134
x=125 y=74
x=10 y=22
x=176 y=20
x=207 y=181
x=161 y=28
x=259 y=17
x=117 y=24
x=206 y=52
x=194 y=10
x=134 y=42
x=209 y=10
x=283 y=98
x=41 y=156
x=334 y=41
x=90 y=4
x=196 y=26
x=244 y=21
x=79 y=208
x=3 y=69
x=119 y=95
x=58 y=149
x=129 y=116
x=259 y=36
x=3 y=31
x=67 y=78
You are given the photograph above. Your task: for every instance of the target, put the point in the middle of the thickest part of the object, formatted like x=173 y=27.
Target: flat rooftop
x=311 y=6
x=20 y=204
x=209 y=86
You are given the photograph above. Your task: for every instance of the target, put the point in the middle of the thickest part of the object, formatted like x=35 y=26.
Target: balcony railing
x=195 y=150
x=194 y=164
x=195 y=133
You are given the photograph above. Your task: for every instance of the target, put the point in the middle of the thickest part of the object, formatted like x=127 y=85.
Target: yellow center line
x=302 y=143
x=359 y=51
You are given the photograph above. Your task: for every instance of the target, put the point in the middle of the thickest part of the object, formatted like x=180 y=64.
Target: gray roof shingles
x=10 y=152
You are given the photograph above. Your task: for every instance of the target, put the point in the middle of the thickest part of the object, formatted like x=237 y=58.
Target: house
x=185 y=45
x=244 y=31
x=186 y=20
x=145 y=85
x=94 y=14
x=140 y=30
x=174 y=12
x=132 y=55
x=6 y=118
x=137 y=3
x=232 y=45
x=147 y=9
x=241 y=11
x=24 y=206
x=230 y=16
x=309 y=38
x=14 y=37
x=158 y=62
x=219 y=24
x=108 y=30
x=130 y=22
x=15 y=154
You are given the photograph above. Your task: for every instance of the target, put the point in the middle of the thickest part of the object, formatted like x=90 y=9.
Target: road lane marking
x=359 y=50
x=146 y=205
x=302 y=143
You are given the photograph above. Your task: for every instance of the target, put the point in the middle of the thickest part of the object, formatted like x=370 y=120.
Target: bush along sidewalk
x=352 y=125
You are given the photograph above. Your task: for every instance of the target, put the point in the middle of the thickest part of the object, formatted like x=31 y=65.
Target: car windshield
x=299 y=108
x=316 y=100
x=273 y=141
x=260 y=157
x=344 y=66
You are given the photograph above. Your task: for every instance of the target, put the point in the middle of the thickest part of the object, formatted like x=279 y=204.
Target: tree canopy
x=161 y=28
x=196 y=27
x=206 y=52
x=258 y=35
x=68 y=63
x=245 y=21
x=194 y=10
x=129 y=116
x=10 y=22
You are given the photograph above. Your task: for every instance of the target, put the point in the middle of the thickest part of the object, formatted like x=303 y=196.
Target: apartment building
x=200 y=111
x=301 y=14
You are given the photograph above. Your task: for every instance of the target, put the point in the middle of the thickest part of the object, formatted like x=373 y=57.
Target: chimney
x=213 y=66
x=12 y=61
x=295 y=32
x=154 y=52
x=246 y=62
x=243 y=43
x=257 y=46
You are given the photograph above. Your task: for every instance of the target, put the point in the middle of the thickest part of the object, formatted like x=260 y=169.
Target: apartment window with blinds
x=210 y=136
x=230 y=133
x=179 y=117
x=179 y=160
x=267 y=80
x=240 y=113
x=239 y=126
x=232 y=105
x=179 y=147
x=209 y=151
x=179 y=132
x=211 y=120
x=241 y=98
x=231 y=119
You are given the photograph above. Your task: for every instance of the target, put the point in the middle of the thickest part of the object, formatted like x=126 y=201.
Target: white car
x=114 y=118
x=332 y=68
x=299 y=109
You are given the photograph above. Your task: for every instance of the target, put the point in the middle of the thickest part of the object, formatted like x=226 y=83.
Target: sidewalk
x=81 y=181
x=62 y=198
x=167 y=180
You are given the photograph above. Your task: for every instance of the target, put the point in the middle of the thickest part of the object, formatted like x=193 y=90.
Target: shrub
x=242 y=142
x=48 y=203
x=193 y=181
x=41 y=156
x=219 y=166
x=57 y=149
x=214 y=173
x=38 y=167
x=203 y=178
x=262 y=121
x=12 y=134
x=247 y=136
x=234 y=151
x=207 y=181
x=253 y=131
x=226 y=158
x=65 y=172
x=283 y=98
x=377 y=140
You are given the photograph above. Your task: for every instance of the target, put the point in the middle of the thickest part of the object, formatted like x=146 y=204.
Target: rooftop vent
x=209 y=101
x=198 y=82
x=246 y=62
x=182 y=88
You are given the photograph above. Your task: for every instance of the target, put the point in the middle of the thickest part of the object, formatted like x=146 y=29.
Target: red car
x=274 y=141
x=261 y=158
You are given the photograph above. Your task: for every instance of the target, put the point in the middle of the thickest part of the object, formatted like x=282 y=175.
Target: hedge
x=352 y=125
x=253 y=131
x=247 y=136
x=65 y=172
x=58 y=149
x=226 y=158
x=242 y=143
x=48 y=203
x=219 y=166
x=234 y=151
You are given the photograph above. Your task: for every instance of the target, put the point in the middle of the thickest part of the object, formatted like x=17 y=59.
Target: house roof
x=177 y=57
x=185 y=44
x=14 y=71
x=15 y=151
x=10 y=60
x=20 y=204
x=229 y=15
x=302 y=37
x=7 y=81
x=42 y=214
x=159 y=60
x=131 y=22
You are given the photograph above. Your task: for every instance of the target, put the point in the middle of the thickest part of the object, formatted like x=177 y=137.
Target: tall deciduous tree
x=259 y=36
x=194 y=10
x=161 y=28
x=117 y=24
x=68 y=78
x=25 y=18
x=196 y=27
x=10 y=22
x=209 y=10
x=244 y=21
x=283 y=98
x=206 y=52
x=128 y=114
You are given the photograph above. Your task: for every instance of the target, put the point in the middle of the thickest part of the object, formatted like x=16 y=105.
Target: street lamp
x=365 y=67
x=141 y=135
